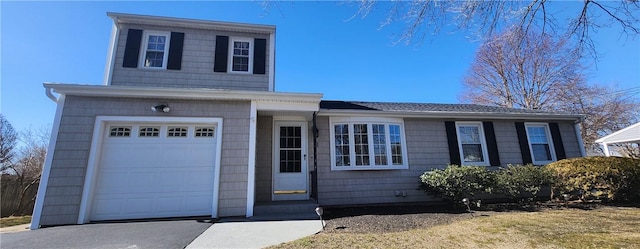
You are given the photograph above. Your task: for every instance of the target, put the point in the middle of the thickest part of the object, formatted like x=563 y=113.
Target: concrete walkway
x=254 y=233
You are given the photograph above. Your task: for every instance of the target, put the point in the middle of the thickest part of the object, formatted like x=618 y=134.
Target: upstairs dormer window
x=154 y=52
x=153 y=49
x=241 y=54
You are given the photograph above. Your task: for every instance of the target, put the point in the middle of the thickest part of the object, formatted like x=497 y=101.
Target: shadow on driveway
x=139 y=234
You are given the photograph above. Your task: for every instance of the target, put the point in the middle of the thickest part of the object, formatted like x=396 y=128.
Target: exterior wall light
x=161 y=108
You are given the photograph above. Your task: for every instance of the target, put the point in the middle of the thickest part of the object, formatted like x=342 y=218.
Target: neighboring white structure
x=630 y=134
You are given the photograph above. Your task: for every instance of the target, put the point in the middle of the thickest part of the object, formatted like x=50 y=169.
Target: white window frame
x=145 y=45
x=232 y=40
x=547 y=132
x=369 y=121
x=483 y=144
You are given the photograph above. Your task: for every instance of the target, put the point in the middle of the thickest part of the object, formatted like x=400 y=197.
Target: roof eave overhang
x=122 y=18
x=454 y=115
x=611 y=137
x=180 y=93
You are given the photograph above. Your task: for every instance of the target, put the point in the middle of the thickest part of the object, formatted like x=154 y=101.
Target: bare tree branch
x=486 y=18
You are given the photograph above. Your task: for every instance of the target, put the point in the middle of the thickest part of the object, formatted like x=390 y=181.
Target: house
x=188 y=123
x=628 y=135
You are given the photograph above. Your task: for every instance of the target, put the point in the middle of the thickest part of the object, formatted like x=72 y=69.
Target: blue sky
x=320 y=49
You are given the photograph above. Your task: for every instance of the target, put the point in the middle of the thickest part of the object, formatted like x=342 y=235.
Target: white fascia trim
x=272 y=61
x=453 y=115
x=190 y=23
x=111 y=54
x=283 y=105
x=46 y=170
x=88 y=189
x=251 y=172
x=605 y=138
x=181 y=93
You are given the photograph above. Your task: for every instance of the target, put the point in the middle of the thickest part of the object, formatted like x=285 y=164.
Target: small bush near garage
x=516 y=181
x=603 y=178
x=457 y=182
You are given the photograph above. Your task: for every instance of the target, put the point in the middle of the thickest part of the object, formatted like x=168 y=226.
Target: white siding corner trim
x=111 y=55
x=578 y=130
x=96 y=148
x=46 y=171
x=251 y=171
x=272 y=61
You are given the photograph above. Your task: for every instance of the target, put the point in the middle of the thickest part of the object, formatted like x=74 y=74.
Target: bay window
x=367 y=144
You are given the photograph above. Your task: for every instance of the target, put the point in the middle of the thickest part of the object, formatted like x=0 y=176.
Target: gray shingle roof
x=424 y=107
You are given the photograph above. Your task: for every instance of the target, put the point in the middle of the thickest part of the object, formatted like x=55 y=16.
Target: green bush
x=606 y=178
x=522 y=181
x=456 y=182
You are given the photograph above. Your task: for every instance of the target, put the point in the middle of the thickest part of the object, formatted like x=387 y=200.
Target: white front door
x=290 y=170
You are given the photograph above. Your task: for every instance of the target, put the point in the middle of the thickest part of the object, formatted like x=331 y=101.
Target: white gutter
x=49 y=92
x=191 y=23
x=180 y=93
x=453 y=115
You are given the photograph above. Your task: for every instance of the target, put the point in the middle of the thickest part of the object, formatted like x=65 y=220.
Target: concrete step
x=286 y=208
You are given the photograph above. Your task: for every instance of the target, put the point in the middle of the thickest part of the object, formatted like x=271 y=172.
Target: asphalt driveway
x=148 y=234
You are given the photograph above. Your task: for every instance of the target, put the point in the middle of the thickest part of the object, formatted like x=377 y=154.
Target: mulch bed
x=396 y=218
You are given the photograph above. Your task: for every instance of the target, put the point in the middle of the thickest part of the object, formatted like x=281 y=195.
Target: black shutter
x=259 y=56
x=132 y=48
x=492 y=145
x=557 y=141
x=452 y=138
x=174 y=61
x=222 y=54
x=524 y=143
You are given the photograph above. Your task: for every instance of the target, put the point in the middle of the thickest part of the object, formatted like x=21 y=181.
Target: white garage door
x=155 y=170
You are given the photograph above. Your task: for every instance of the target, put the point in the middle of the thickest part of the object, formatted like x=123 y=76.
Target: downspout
x=46 y=169
x=49 y=92
x=314 y=174
x=578 y=130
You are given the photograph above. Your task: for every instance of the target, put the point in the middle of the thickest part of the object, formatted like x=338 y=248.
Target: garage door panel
x=170 y=204
x=140 y=205
x=141 y=177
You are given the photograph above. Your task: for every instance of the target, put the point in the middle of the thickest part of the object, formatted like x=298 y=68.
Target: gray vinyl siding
x=197 y=64
x=569 y=139
x=71 y=153
x=379 y=186
x=426 y=145
x=508 y=144
x=264 y=159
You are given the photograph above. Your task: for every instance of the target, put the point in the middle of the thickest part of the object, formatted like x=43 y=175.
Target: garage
x=155 y=170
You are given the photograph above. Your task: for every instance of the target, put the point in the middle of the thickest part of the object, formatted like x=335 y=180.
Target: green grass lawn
x=14 y=221
x=606 y=227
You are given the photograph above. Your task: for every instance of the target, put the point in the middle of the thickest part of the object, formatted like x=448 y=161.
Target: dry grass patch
x=606 y=227
x=14 y=221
